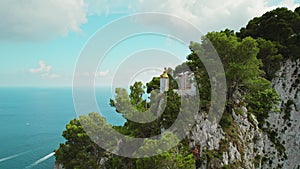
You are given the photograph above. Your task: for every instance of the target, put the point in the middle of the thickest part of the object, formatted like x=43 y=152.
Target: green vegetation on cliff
x=250 y=58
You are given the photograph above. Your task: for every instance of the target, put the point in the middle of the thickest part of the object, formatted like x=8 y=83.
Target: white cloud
x=110 y=7
x=102 y=73
x=207 y=15
x=289 y=3
x=86 y=74
x=213 y=15
x=44 y=71
x=53 y=76
x=96 y=74
x=40 y=20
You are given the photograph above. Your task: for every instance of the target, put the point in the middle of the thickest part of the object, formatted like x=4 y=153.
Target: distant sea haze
x=32 y=121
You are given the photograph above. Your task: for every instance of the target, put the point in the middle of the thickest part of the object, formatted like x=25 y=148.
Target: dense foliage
x=250 y=58
x=80 y=152
x=281 y=30
x=281 y=26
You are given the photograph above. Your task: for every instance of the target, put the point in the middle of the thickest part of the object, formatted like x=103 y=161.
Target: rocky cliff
x=285 y=125
x=240 y=143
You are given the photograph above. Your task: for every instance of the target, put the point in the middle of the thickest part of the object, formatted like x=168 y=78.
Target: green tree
x=134 y=105
x=270 y=56
x=154 y=84
x=136 y=96
x=280 y=25
x=297 y=10
x=242 y=69
x=178 y=157
x=262 y=103
x=201 y=76
x=122 y=103
x=79 y=151
x=238 y=57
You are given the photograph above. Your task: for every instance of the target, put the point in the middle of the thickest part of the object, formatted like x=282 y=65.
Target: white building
x=164 y=84
x=186 y=84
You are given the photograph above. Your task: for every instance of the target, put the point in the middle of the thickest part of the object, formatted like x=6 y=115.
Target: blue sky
x=41 y=41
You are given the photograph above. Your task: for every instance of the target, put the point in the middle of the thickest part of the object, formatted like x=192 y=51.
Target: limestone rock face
x=243 y=144
x=206 y=134
x=237 y=147
x=58 y=166
x=286 y=124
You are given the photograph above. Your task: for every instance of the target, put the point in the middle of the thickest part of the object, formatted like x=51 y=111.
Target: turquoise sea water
x=32 y=120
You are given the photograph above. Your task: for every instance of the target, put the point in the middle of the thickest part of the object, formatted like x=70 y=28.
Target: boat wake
x=41 y=160
x=12 y=156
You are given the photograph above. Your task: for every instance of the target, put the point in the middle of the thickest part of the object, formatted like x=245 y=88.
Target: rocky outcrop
x=242 y=144
x=239 y=145
x=58 y=166
x=206 y=134
x=285 y=125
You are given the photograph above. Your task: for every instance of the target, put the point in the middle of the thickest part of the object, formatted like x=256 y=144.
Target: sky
x=44 y=43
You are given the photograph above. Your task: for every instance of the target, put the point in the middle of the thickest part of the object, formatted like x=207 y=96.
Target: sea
x=32 y=120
